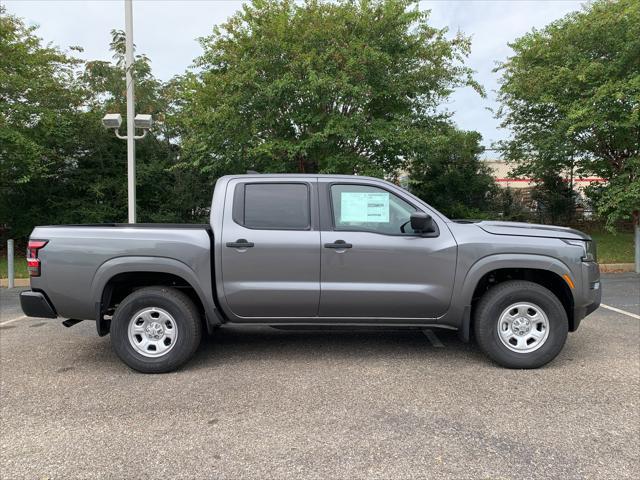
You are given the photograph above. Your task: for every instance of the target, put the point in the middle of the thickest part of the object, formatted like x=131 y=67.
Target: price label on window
x=364 y=207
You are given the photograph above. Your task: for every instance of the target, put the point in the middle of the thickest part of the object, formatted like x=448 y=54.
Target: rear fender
x=130 y=264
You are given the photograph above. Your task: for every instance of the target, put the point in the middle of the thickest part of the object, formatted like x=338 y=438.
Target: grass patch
x=612 y=248
x=19 y=265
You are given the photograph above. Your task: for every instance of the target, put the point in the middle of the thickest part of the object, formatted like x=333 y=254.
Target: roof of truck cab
x=299 y=175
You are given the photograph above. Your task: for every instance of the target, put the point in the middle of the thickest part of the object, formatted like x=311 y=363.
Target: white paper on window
x=364 y=207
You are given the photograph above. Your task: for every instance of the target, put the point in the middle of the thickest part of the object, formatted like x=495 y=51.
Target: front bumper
x=591 y=293
x=582 y=311
x=36 y=304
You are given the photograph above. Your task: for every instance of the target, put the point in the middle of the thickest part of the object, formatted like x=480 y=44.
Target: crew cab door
x=371 y=269
x=271 y=248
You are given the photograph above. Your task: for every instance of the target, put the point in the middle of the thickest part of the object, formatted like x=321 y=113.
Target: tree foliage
x=449 y=174
x=571 y=96
x=333 y=87
x=57 y=163
x=555 y=198
x=621 y=195
x=39 y=110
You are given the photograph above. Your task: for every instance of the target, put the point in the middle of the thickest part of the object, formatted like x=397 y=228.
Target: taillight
x=33 y=262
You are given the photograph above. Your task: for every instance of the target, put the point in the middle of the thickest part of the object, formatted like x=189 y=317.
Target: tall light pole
x=131 y=143
x=143 y=122
x=636 y=232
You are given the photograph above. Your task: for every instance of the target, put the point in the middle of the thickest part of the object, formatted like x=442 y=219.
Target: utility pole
x=636 y=234
x=131 y=143
x=141 y=121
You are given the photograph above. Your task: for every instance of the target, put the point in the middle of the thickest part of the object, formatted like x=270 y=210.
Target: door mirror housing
x=422 y=222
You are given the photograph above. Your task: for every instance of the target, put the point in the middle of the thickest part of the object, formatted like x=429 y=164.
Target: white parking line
x=617 y=310
x=13 y=320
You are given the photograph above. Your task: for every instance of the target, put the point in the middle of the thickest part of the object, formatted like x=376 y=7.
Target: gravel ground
x=263 y=403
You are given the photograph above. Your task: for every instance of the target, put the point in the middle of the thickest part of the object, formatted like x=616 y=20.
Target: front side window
x=276 y=206
x=368 y=208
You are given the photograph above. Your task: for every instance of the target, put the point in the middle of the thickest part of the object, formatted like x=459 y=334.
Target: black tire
x=497 y=300
x=184 y=313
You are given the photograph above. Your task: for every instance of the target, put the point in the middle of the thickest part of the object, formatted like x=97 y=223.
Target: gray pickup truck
x=323 y=250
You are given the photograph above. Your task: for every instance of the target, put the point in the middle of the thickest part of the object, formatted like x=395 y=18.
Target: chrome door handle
x=338 y=244
x=240 y=243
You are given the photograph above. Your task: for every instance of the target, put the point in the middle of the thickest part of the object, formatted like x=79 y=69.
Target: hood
x=531 y=230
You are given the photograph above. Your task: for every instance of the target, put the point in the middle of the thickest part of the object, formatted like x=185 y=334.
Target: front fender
x=499 y=261
x=487 y=264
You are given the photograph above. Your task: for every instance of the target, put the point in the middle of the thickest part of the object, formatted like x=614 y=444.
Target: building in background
x=501 y=175
x=522 y=187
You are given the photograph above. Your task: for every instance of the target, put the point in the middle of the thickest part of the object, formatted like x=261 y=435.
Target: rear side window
x=276 y=206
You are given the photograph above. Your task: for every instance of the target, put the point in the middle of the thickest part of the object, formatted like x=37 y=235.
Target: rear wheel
x=156 y=329
x=520 y=324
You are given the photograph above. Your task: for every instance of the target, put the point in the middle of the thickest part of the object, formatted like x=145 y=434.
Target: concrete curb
x=19 y=282
x=617 y=267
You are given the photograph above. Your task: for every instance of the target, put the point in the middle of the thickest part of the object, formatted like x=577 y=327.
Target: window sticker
x=364 y=207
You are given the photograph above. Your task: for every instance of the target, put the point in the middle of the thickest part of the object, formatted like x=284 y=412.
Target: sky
x=167 y=32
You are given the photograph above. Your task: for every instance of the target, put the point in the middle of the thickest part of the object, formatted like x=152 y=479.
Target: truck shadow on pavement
x=251 y=346
x=231 y=345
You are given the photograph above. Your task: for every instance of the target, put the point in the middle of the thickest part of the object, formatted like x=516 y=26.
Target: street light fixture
x=143 y=121
x=113 y=121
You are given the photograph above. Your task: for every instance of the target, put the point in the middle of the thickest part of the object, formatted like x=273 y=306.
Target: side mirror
x=421 y=222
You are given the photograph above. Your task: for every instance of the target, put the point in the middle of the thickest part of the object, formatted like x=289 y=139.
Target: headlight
x=588 y=249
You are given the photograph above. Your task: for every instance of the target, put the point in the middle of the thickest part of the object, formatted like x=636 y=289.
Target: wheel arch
x=494 y=269
x=118 y=277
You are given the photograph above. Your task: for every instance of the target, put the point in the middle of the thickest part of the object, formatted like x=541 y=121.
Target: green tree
x=510 y=206
x=555 y=198
x=40 y=101
x=449 y=174
x=341 y=87
x=621 y=195
x=164 y=193
x=571 y=96
x=59 y=165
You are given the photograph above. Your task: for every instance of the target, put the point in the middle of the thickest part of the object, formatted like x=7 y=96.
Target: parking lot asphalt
x=265 y=403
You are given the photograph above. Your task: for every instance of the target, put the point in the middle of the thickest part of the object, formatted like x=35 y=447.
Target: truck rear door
x=271 y=248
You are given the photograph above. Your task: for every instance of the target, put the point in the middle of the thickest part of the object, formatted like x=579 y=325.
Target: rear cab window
x=272 y=206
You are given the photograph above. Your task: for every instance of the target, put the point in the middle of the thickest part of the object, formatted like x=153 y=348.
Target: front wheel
x=156 y=329
x=520 y=324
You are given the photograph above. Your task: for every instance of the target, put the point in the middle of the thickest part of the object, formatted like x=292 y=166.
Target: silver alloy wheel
x=523 y=327
x=152 y=332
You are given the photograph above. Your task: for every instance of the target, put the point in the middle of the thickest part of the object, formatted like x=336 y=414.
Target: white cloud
x=167 y=31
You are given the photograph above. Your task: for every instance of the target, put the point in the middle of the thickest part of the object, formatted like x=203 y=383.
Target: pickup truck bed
x=105 y=257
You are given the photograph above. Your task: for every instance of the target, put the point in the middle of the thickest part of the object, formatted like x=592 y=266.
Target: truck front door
x=271 y=249
x=370 y=268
